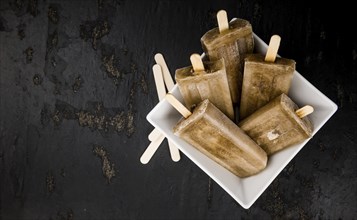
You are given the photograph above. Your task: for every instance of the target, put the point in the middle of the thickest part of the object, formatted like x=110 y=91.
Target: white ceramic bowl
x=247 y=190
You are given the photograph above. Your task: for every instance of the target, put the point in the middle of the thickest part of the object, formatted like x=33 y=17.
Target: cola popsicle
x=231 y=42
x=265 y=78
x=216 y=136
x=208 y=80
x=278 y=124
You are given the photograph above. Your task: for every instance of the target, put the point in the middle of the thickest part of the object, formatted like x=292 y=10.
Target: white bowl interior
x=247 y=190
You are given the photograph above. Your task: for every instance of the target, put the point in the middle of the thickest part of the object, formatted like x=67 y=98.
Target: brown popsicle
x=278 y=124
x=206 y=80
x=265 y=78
x=216 y=136
x=230 y=41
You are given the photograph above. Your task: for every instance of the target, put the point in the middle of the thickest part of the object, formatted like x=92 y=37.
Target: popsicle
x=206 y=80
x=278 y=124
x=230 y=41
x=219 y=138
x=265 y=78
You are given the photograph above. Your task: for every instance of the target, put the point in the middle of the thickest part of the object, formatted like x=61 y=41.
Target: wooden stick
x=273 y=48
x=177 y=105
x=159 y=81
x=161 y=92
x=159 y=59
x=174 y=152
x=197 y=63
x=160 y=86
x=161 y=73
x=151 y=149
x=304 y=111
x=222 y=19
x=154 y=134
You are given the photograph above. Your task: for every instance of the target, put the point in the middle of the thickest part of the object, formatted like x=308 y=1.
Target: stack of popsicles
x=236 y=80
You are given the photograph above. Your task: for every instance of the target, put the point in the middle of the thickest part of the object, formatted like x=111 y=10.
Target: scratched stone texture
x=76 y=85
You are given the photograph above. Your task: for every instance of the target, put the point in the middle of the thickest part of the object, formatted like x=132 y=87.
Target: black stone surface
x=76 y=85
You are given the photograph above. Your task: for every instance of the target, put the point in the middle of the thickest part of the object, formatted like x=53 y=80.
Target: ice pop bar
x=265 y=78
x=278 y=125
x=231 y=42
x=206 y=80
x=216 y=136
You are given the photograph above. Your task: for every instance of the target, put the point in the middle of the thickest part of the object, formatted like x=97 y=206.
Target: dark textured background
x=76 y=85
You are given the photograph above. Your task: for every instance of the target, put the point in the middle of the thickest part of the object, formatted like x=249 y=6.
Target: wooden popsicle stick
x=178 y=105
x=197 y=63
x=304 y=111
x=159 y=81
x=151 y=149
x=222 y=20
x=154 y=134
x=159 y=59
x=174 y=152
x=161 y=92
x=160 y=85
x=273 y=48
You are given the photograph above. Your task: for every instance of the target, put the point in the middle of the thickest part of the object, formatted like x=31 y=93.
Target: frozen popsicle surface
x=209 y=84
x=232 y=45
x=215 y=135
x=264 y=81
x=276 y=126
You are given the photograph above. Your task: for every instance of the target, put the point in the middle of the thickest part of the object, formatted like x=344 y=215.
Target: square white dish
x=247 y=190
